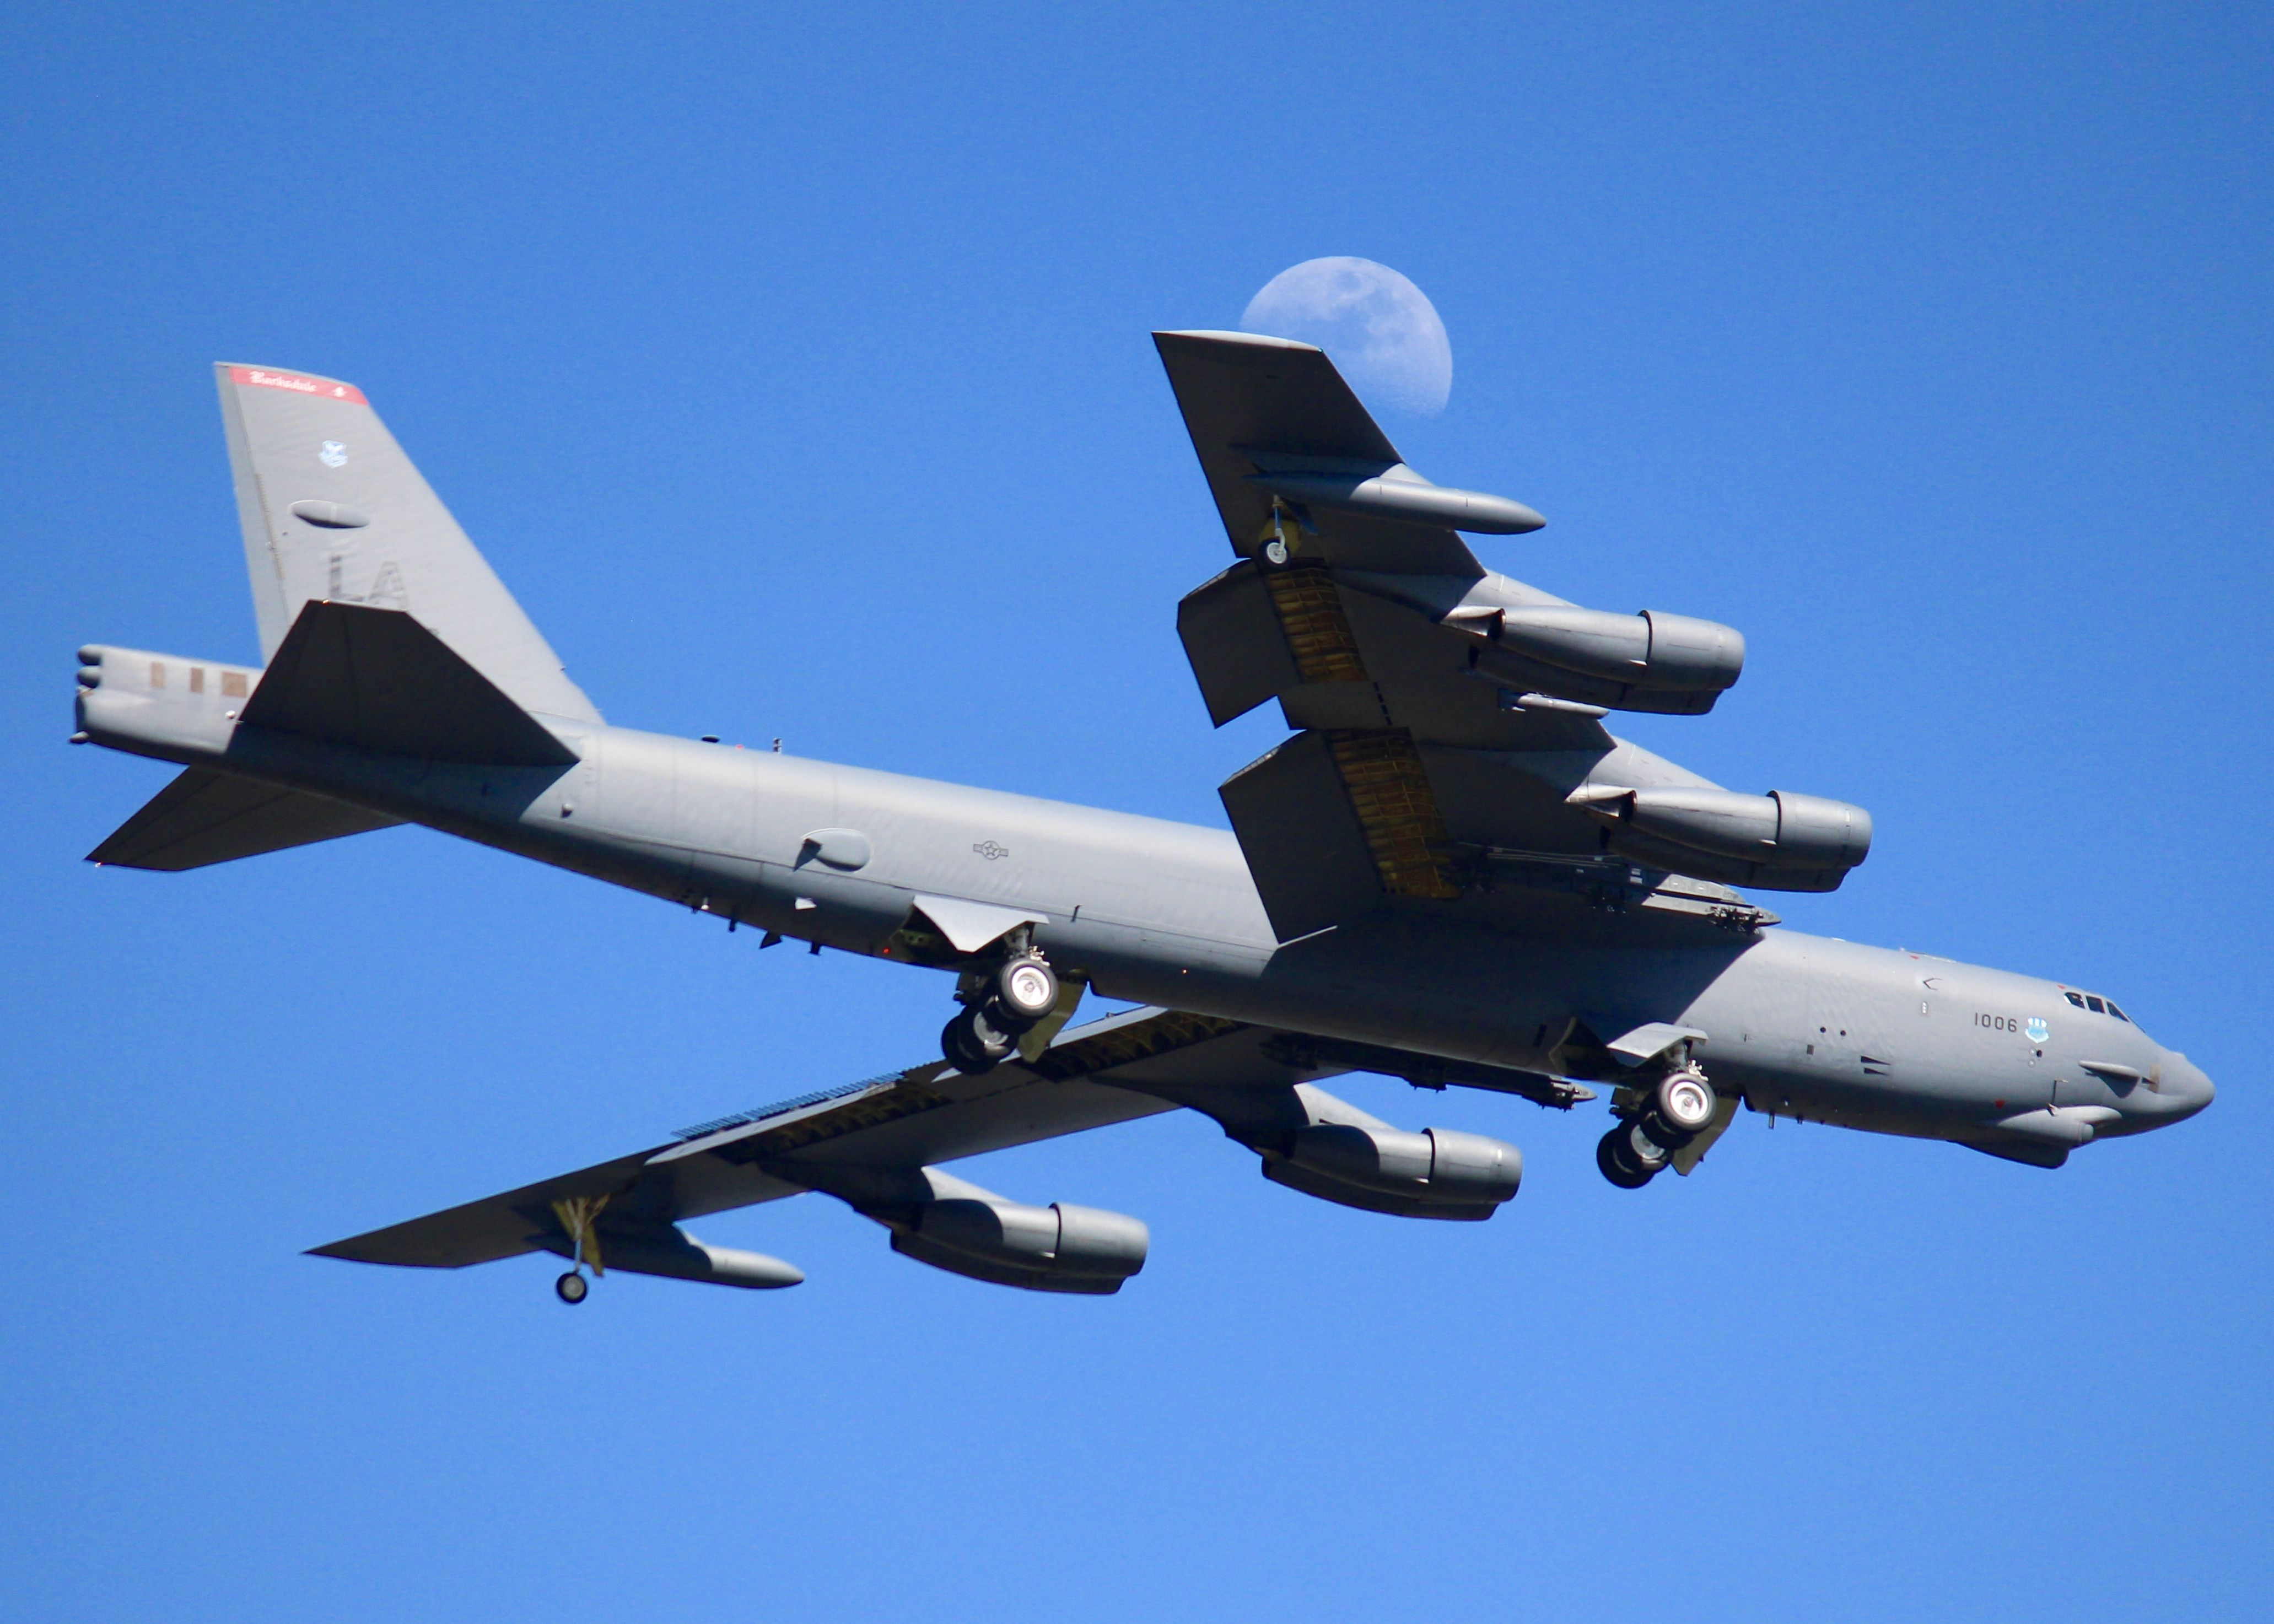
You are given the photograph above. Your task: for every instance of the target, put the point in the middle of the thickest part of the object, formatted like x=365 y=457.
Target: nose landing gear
x=999 y=1005
x=1644 y=1140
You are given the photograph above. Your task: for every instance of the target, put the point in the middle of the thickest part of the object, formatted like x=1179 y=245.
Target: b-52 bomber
x=1449 y=872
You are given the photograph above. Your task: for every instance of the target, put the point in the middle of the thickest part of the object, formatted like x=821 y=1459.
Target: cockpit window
x=2097 y=1004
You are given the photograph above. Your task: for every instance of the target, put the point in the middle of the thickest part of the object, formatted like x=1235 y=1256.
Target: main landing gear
x=1008 y=1001
x=1642 y=1141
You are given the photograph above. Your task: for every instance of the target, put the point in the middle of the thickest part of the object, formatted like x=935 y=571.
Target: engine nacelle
x=1762 y=835
x=1056 y=1248
x=1436 y=1173
x=1674 y=663
x=1651 y=650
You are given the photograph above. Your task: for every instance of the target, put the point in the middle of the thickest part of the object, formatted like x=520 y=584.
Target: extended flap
x=1305 y=849
x=1233 y=637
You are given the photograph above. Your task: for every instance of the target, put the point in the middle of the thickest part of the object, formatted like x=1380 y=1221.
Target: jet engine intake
x=1060 y=1247
x=1436 y=1173
x=1778 y=831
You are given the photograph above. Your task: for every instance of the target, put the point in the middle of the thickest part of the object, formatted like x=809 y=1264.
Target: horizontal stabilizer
x=377 y=680
x=212 y=817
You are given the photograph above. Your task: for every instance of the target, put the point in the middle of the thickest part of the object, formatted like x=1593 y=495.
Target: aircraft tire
x=1614 y=1155
x=1684 y=1103
x=973 y=1044
x=571 y=1288
x=1025 y=990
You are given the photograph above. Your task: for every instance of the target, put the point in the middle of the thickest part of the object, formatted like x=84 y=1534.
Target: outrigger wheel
x=571 y=1287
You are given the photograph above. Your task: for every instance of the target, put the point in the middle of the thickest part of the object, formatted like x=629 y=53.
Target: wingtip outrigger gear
x=576 y=1215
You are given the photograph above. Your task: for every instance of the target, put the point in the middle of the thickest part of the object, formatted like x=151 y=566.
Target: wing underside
x=877 y=1143
x=1432 y=758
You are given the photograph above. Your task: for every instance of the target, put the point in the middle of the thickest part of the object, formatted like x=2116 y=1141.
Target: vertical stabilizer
x=333 y=511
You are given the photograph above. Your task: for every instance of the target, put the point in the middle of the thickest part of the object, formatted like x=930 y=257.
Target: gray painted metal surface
x=1450 y=871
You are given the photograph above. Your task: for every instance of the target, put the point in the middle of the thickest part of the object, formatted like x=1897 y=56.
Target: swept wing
x=1435 y=751
x=877 y=1146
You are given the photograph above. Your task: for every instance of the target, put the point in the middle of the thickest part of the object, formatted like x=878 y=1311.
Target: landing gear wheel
x=571 y=1287
x=1025 y=990
x=1614 y=1154
x=972 y=1043
x=1685 y=1102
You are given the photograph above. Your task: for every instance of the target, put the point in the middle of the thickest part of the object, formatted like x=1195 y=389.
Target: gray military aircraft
x=1448 y=873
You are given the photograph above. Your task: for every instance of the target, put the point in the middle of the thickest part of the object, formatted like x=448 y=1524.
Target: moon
x=1382 y=330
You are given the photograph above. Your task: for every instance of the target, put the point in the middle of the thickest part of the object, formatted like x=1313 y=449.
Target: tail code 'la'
x=333 y=511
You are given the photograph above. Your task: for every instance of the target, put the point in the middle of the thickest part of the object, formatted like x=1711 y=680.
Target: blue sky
x=790 y=364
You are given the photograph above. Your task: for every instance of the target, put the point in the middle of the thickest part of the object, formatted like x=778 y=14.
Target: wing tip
x=348 y=1251
x=1225 y=337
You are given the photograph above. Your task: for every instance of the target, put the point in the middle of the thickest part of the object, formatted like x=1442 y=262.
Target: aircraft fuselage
x=1164 y=912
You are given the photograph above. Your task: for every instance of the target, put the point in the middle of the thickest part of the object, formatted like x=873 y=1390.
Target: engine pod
x=1677 y=653
x=1437 y=1173
x=1760 y=835
x=1061 y=1247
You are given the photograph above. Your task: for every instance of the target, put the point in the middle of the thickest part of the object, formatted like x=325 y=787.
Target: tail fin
x=333 y=511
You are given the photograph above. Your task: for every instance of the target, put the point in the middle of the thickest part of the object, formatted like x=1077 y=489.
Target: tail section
x=377 y=680
x=332 y=511
x=205 y=817
x=346 y=675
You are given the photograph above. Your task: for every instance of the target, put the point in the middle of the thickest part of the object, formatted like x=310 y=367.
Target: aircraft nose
x=2186 y=1086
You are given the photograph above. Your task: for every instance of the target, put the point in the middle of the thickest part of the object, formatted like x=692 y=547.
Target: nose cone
x=2185 y=1087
